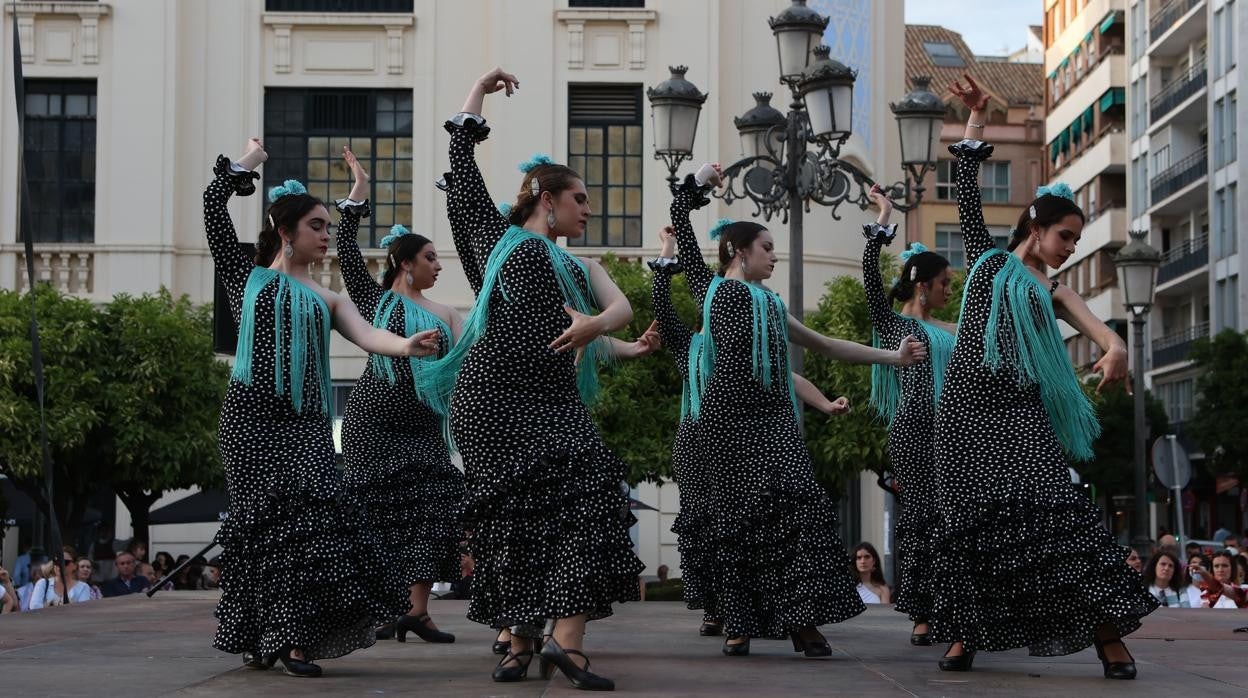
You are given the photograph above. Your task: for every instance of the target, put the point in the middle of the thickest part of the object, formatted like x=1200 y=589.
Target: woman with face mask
x=1021 y=559
x=397 y=461
x=546 y=508
x=297 y=572
x=770 y=519
x=906 y=398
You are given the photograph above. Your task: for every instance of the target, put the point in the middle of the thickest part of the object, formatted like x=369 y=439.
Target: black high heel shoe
x=557 y=658
x=385 y=631
x=740 y=649
x=920 y=639
x=515 y=672
x=816 y=648
x=251 y=660
x=1115 y=670
x=501 y=646
x=711 y=627
x=299 y=668
x=420 y=626
x=962 y=662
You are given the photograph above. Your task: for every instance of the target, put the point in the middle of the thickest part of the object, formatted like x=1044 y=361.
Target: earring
x=550 y=220
x=922 y=299
x=289 y=251
x=407 y=276
x=732 y=251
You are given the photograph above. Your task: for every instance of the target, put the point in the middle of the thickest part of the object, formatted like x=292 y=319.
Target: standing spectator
x=1195 y=568
x=126 y=581
x=1134 y=561
x=1231 y=543
x=137 y=548
x=9 y=602
x=871 y=585
x=85 y=570
x=1220 y=591
x=1163 y=576
x=1191 y=549
x=1168 y=543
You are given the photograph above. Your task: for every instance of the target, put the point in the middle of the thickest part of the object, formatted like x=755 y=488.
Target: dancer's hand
x=709 y=173
x=253 y=155
x=498 y=79
x=881 y=202
x=667 y=241
x=649 y=341
x=911 y=351
x=835 y=407
x=1112 y=367
x=359 y=176
x=971 y=95
x=583 y=330
x=423 y=343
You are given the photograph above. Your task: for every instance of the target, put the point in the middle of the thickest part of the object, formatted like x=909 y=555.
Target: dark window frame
x=592 y=156
x=344 y=6
x=54 y=172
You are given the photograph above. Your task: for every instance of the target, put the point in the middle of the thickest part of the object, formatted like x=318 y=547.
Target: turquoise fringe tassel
x=886 y=395
x=1036 y=353
x=305 y=304
x=435 y=383
x=767 y=311
x=415 y=319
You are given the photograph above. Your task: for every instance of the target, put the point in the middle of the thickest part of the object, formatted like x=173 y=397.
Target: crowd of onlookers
x=1212 y=576
x=38 y=581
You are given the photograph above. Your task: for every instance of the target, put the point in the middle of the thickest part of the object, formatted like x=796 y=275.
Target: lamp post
x=1137 y=264
x=792 y=160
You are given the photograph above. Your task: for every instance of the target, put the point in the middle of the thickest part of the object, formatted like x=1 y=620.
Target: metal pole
x=797 y=148
x=1140 y=539
x=1178 y=497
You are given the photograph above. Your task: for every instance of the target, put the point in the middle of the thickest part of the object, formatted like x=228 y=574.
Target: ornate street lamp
x=761 y=128
x=675 y=105
x=920 y=115
x=798 y=30
x=1137 y=263
x=827 y=91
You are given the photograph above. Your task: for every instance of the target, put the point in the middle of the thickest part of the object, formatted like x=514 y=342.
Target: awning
x=1087 y=120
x=1076 y=129
x=205 y=506
x=1053 y=74
x=1053 y=151
x=1109 y=20
x=1065 y=62
x=1113 y=96
x=1087 y=38
x=1064 y=140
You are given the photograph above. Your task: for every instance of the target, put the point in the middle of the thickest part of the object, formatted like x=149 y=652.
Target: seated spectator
x=50 y=590
x=21 y=566
x=163 y=564
x=662 y=573
x=138 y=548
x=192 y=576
x=9 y=602
x=126 y=581
x=1134 y=561
x=871 y=585
x=212 y=574
x=85 y=570
x=1163 y=576
x=27 y=590
x=1219 y=589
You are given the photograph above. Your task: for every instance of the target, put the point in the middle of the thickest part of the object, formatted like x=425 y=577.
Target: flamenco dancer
x=1023 y=560
x=546 y=507
x=770 y=519
x=298 y=572
x=688 y=471
x=397 y=461
x=906 y=398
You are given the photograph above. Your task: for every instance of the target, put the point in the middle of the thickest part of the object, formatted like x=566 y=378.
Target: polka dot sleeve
x=975 y=233
x=883 y=319
x=363 y=289
x=690 y=196
x=469 y=206
x=675 y=334
x=232 y=264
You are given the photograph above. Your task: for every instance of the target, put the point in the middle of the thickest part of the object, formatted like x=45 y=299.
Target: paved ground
x=160 y=646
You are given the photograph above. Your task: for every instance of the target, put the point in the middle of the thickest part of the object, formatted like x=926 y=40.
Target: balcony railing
x=1180 y=259
x=1175 y=347
x=68 y=267
x=1180 y=174
x=1177 y=92
x=1167 y=15
x=405 y=6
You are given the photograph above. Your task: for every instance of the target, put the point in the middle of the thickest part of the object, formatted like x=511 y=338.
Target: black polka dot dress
x=299 y=568
x=397 y=461
x=546 y=505
x=779 y=564
x=693 y=522
x=1021 y=558
x=910 y=443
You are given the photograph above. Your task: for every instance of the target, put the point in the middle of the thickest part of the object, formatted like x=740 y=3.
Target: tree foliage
x=1112 y=469
x=1221 y=410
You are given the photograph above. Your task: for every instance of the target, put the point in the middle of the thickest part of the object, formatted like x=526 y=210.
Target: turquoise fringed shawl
x=1036 y=352
x=436 y=381
x=886 y=384
x=305 y=336
x=415 y=319
x=766 y=310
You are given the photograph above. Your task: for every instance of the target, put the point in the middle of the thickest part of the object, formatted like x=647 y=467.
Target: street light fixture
x=793 y=160
x=1137 y=263
x=675 y=104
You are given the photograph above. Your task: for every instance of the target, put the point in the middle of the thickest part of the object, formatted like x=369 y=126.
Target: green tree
x=73 y=345
x=163 y=392
x=1221 y=412
x=1112 y=468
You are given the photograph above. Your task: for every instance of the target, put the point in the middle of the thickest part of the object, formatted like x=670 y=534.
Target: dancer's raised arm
x=676 y=335
x=363 y=289
x=476 y=224
x=883 y=319
x=232 y=265
x=970 y=153
x=690 y=195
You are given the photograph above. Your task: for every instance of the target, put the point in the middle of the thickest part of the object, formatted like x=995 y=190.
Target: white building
x=129 y=102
